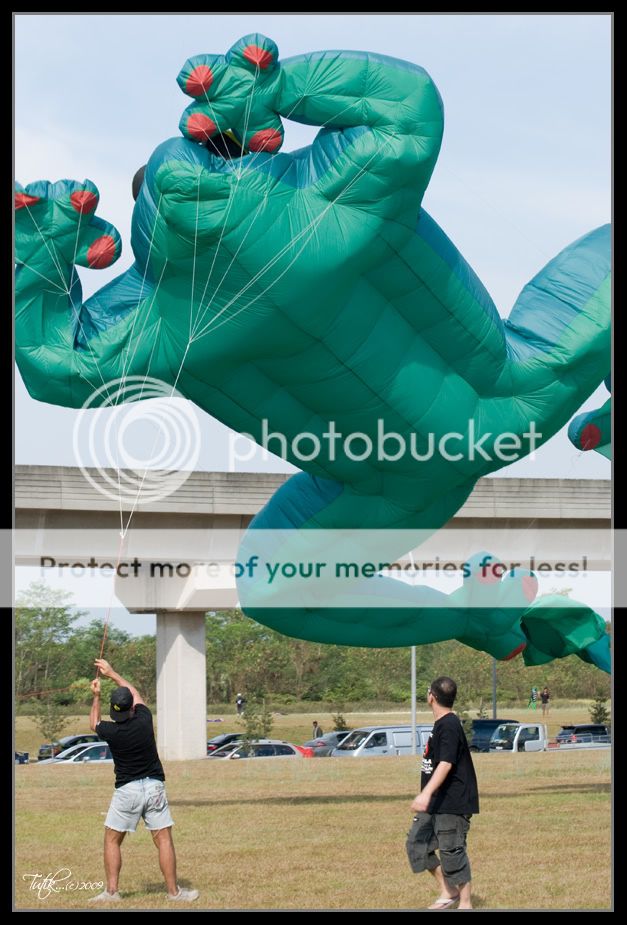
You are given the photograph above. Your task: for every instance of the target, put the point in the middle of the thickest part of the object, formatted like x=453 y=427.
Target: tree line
x=54 y=661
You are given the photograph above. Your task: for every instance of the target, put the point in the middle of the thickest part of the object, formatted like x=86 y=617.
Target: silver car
x=264 y=748
x=370 y=741
x=324 y=745
x=91 y=751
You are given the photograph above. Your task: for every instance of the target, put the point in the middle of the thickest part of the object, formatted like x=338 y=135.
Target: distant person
x=317 y=731
x=545 y=698
x=240 y=703
x=448 y=798
x=533 y=699
x=139 y=785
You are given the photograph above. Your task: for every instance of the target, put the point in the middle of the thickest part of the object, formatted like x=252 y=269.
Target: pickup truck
x=533 y=737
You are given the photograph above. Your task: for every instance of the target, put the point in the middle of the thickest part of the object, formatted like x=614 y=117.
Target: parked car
x=225 y=750
x=305 y=751
x=534 y=737
x=21 y=757
x=98 y=752
x=52 y=750
x=222 y=739
x=370 y=741
x=584 y=732
x=71 y=752
x=481 y=733
x=324 y=745
x=264 y=748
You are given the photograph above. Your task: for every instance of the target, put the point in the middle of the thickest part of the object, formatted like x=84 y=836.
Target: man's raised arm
x=107 y=672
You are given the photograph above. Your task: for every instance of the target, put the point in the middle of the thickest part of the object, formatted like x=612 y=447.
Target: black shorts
x=443 y=832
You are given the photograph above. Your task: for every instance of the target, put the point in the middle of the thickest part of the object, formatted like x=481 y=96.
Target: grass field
x=324 y=834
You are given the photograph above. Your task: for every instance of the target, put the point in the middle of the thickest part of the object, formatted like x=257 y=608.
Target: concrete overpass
x=56 y=506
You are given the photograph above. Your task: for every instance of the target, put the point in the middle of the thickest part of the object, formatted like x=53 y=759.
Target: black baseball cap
x=121 y=704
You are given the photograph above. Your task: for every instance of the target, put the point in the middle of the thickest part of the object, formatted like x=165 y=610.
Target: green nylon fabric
x=310 y=287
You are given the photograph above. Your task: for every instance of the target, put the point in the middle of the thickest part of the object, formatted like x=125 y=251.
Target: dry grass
x=298 y=834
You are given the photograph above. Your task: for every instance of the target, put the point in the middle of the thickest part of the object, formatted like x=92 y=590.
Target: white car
x=93 y=751
x=264 y=748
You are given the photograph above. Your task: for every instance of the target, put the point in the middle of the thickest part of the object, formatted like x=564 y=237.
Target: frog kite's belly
x=295 y=292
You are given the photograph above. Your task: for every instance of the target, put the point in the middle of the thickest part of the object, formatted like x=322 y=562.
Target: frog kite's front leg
x=64 y=350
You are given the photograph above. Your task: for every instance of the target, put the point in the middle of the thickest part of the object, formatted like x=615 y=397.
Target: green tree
x=599 y=713
x=256 y=720
x=44 y=619
x=50 y=719
x=80 y=691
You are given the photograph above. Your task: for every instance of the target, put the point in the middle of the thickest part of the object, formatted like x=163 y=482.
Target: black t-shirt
x=459 y=793
x=133 y=747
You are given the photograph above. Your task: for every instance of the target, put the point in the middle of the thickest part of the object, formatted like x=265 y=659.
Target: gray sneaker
x=106 y=897
x=184 y=896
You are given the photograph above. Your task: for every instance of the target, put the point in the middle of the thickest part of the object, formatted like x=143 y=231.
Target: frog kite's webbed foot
x=557 y=626
x=504 y=617
x=56 y=230
x=56 y=225
x=592 y=430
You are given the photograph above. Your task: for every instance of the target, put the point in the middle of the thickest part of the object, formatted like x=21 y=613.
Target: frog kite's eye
x=138 y=179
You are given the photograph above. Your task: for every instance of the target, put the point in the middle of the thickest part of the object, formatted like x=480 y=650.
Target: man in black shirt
x=139 y=784
x=448 y=798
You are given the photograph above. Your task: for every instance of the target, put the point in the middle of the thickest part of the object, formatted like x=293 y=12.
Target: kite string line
x=232 y=197
x=191 y=295
x=135 y=503
x=249 y=107
x=203 y=312
x=147 y=373
x=61 y=289
x=149 y=305
x=295 y=238
x=73 y=271
x=315 y=223
x=239 y=173
x=125 y=363
x=247 y=167
x=189 y=342
x=67 y=290
x=258 y=212
x=53 y=257
x=107 y=616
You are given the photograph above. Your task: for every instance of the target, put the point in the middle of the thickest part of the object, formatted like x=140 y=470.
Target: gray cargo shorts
x=140 y=799
x=445 y=833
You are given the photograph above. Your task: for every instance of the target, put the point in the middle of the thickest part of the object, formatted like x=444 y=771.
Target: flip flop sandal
x=444 y=902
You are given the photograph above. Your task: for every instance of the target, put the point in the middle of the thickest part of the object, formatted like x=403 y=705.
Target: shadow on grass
x=386 y=798
x=553 y=788
x=158 y=889
x=302 y=801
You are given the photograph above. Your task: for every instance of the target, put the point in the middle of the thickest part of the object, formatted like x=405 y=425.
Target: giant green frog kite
x=309 y=293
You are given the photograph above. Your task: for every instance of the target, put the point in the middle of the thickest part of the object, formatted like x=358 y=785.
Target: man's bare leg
x=167 y=858
x=445 y=889
x=113 y=858
x=464 y=896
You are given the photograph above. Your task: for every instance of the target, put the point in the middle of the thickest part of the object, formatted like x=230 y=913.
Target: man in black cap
x=139 y=784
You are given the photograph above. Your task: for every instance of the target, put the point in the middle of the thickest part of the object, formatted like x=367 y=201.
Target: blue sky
x=525 y=166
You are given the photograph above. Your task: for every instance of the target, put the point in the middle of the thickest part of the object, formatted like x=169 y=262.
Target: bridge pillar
x=181 y=685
